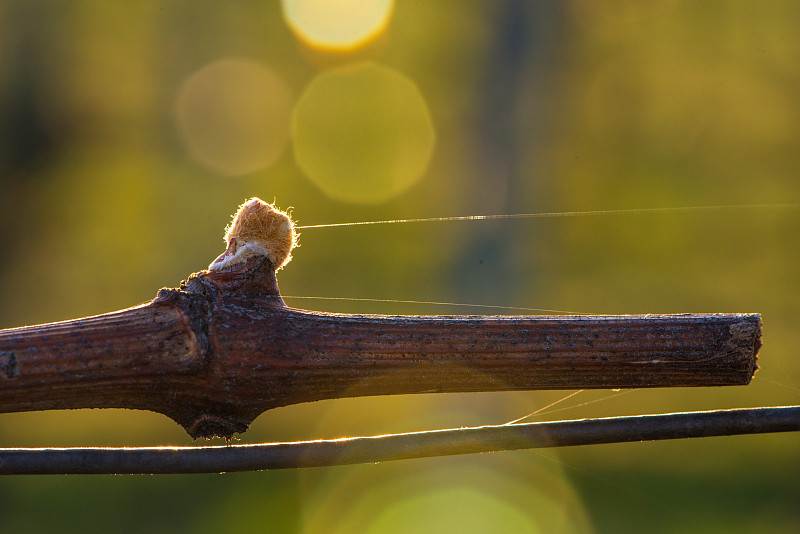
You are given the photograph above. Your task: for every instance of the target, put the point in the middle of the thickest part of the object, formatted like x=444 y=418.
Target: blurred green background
x=130 y=132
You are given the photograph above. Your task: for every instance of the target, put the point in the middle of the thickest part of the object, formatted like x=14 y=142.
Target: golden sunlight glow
x=522 y=491
x=456 y=509
x=362 y=133
x=233 y=116
x=515 y=493
x=337 y=24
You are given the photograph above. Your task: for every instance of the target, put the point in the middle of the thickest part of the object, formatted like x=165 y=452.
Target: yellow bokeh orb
x=461 y=509
x=233 y=116
x=362 y=133
x=337 y=24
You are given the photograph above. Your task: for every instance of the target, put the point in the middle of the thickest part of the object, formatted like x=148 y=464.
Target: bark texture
x=223 y=348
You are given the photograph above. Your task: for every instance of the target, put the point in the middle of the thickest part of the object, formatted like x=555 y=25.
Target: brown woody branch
x=223 y=348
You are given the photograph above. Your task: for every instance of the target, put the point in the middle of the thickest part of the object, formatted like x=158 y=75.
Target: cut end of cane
x=257 y=229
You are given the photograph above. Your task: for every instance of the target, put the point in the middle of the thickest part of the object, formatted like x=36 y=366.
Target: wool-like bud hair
x=257 y=229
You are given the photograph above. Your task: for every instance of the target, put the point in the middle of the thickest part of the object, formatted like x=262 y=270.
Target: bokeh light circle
x=362 y=133
x=233 y=116
x=515 y=493
x=337 y=25
x=458 y=509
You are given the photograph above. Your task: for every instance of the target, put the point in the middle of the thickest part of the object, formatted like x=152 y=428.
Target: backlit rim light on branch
x=337 y=25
